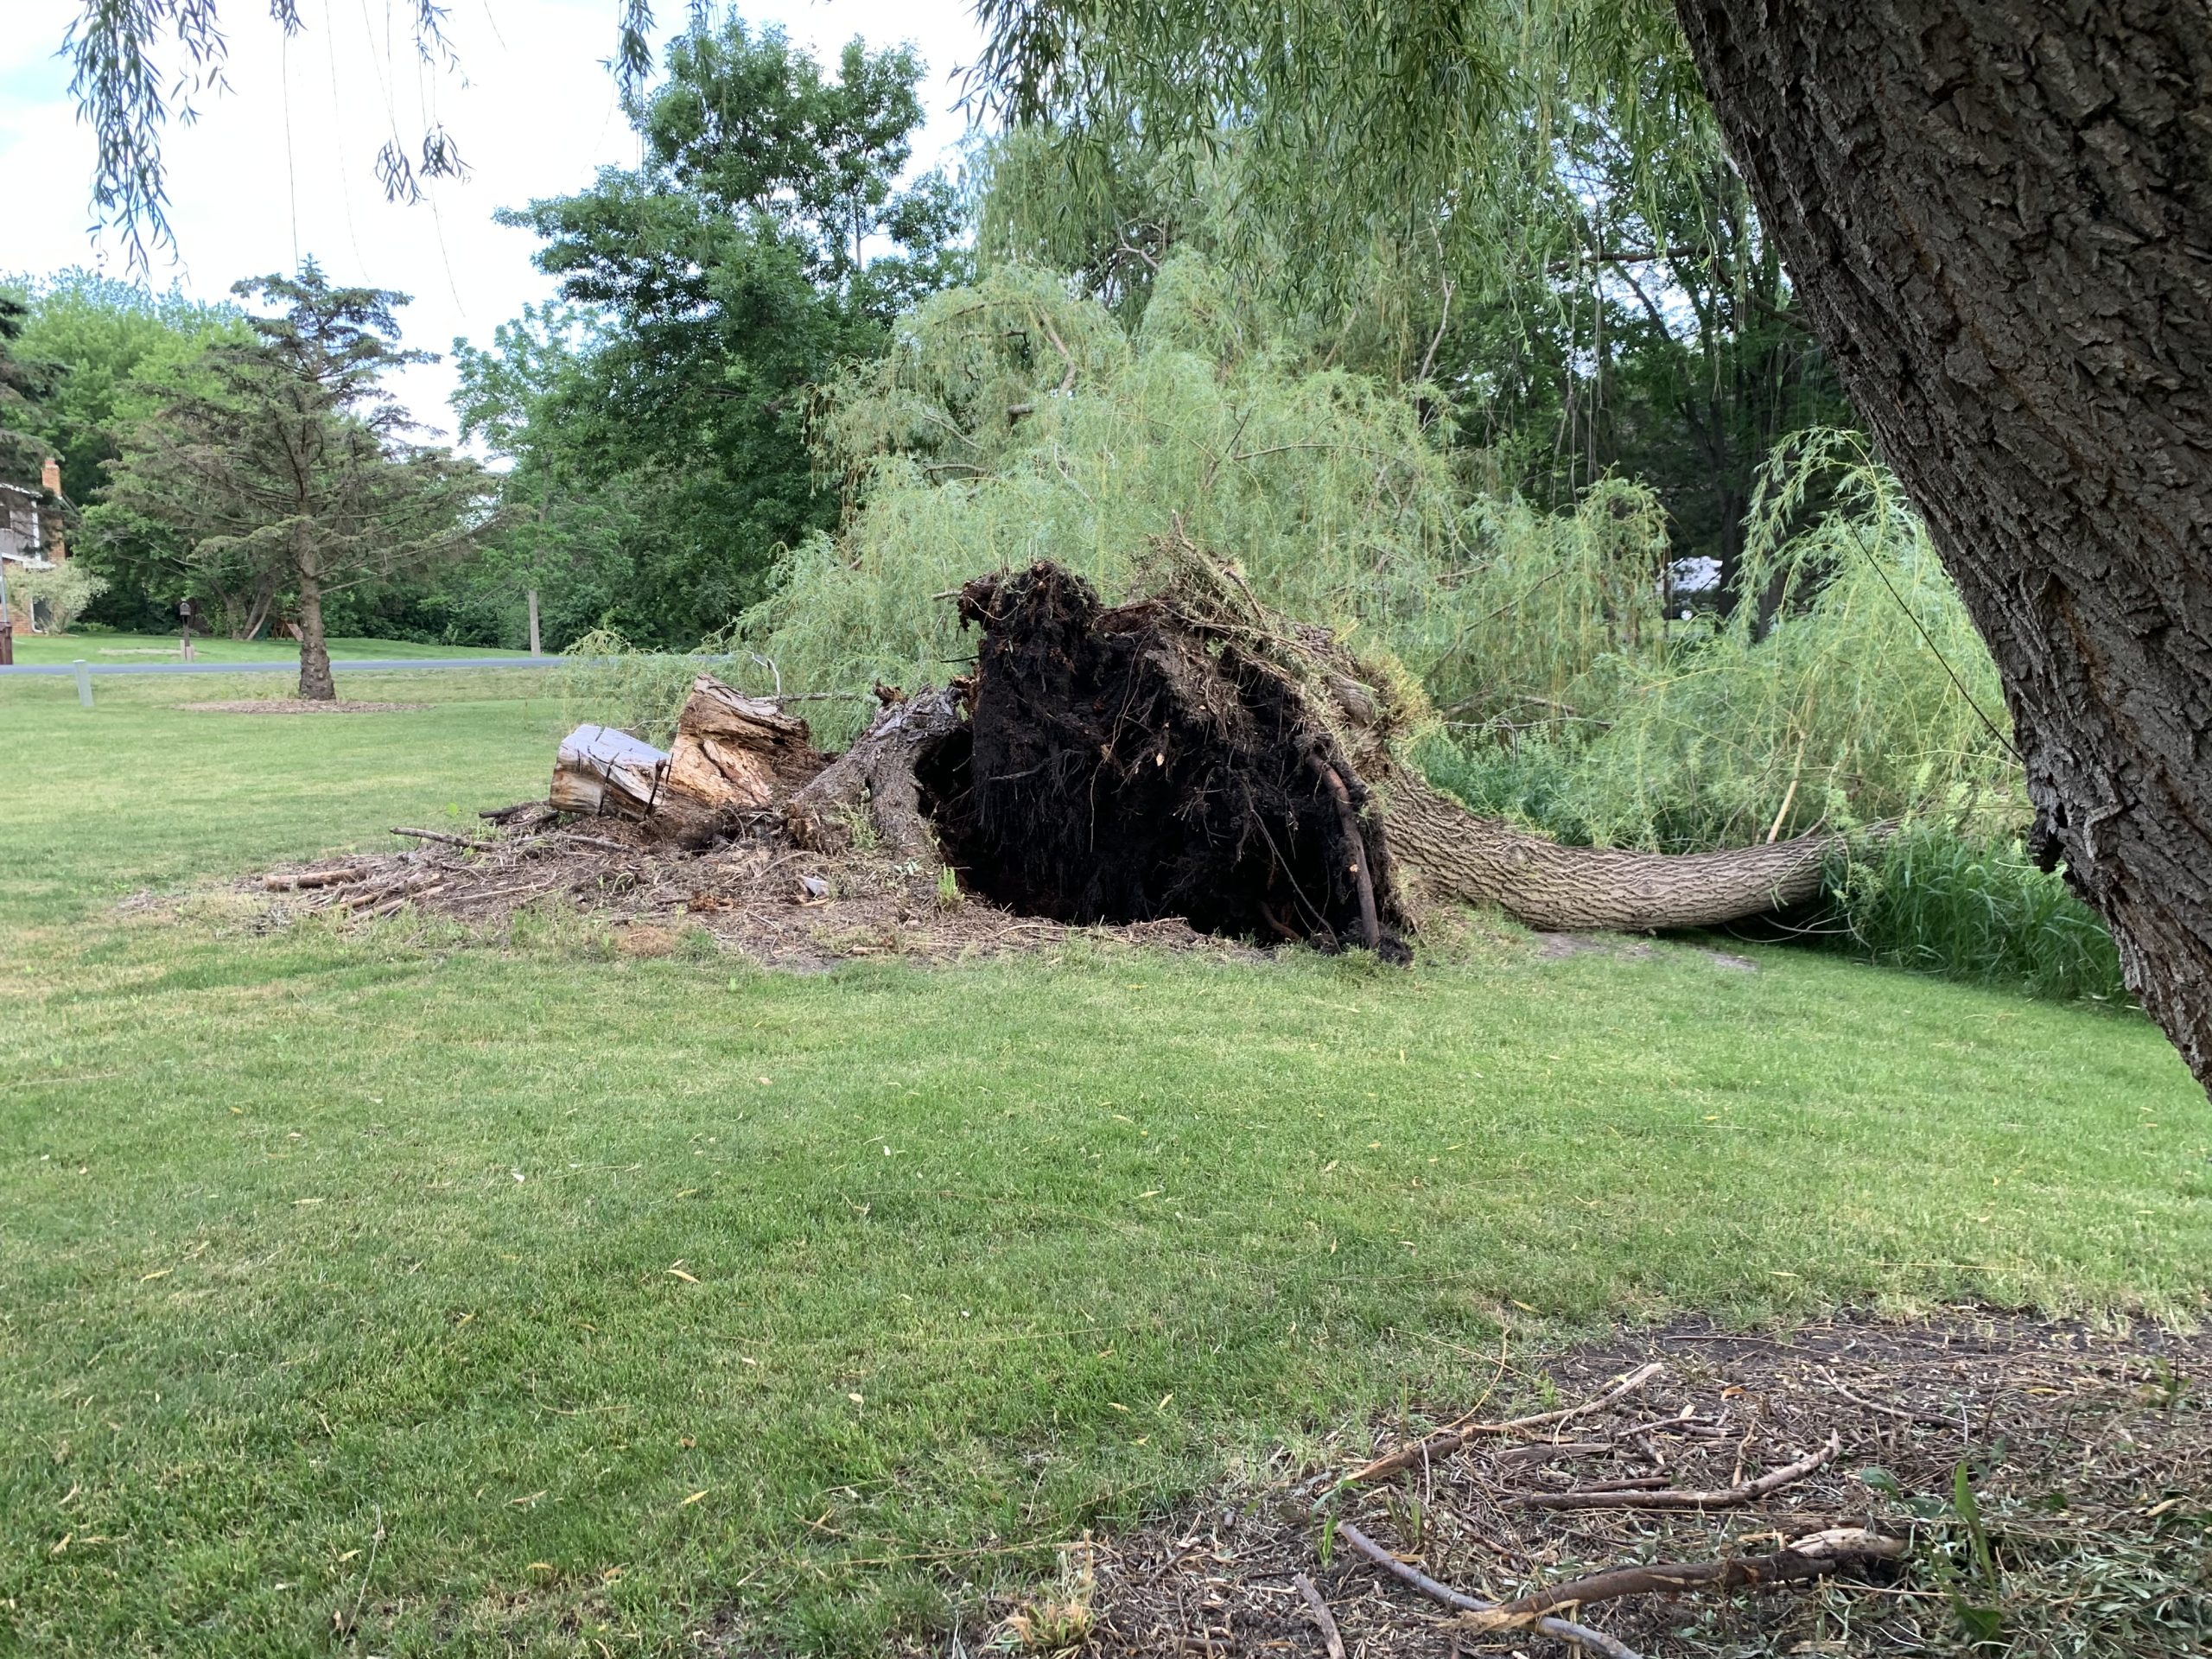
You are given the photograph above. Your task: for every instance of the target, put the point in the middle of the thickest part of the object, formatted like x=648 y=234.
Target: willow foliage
x=1013 y=422
x=1330 y=129
x=1870 y=696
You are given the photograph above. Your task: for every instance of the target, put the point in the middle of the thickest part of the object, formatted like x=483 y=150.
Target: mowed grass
x=384 y=1293
x=122 y=648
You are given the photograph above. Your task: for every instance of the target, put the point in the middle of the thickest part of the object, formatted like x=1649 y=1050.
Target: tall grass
x=1937 y=902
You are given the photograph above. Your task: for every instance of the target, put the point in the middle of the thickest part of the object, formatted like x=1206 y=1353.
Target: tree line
x=655 y=433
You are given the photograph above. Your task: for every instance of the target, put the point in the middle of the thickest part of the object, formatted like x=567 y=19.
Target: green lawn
x=638 y=1298
x=159 y=647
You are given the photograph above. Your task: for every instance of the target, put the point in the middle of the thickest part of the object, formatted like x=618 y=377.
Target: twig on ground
x=1929 y=1418
x=306 y=879
x=1545 y=1450
x=1446 y=1441
x=1814 y=1556
x=444 y=839
x=1581 y=1635
x=1331 y=1636
x=1728 y=1497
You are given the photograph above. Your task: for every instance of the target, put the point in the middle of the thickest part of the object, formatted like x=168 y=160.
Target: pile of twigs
x=1567 y=1460
x=524 y=854
x=1919 y=1485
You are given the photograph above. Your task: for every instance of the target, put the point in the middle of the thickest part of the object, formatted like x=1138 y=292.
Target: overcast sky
x=281 y=166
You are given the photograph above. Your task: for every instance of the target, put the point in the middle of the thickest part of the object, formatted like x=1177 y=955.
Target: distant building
x=30 y=539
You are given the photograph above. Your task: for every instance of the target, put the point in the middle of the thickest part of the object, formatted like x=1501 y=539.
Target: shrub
x=59 y=594
x=1937 y=902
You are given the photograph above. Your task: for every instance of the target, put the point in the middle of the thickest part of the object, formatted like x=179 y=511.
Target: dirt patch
x=2086 y=1525
x=299 y=706
x=756 y=895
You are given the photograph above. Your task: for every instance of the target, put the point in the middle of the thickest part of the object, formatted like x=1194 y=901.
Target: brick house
x=30 y=538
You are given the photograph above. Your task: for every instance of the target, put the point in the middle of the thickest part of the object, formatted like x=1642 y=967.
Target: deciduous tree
x=1998 y=215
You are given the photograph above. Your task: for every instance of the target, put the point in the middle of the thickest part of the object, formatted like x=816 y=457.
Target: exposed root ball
x=1118 y=765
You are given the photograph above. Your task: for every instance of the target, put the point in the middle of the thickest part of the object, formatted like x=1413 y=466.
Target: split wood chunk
x=731 y=750
x=734 y=754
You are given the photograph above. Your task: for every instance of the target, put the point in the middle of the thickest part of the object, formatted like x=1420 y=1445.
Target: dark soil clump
x=1121 y=765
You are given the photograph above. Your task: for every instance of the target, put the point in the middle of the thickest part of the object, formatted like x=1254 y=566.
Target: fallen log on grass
x=1188 y=754
x=1193 y=754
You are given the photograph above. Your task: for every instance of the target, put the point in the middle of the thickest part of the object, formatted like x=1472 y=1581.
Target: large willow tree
x=1997 y=214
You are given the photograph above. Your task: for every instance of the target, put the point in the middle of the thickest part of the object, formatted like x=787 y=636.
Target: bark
x=1443 y=852
x=874 y=784
x=316 y=683
x=1998 y=215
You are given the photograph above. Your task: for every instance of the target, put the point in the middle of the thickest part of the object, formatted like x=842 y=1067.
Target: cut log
x=735 y=751
x=606 y=773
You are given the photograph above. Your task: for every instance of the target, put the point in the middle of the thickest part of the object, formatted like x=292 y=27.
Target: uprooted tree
x=1188 y=753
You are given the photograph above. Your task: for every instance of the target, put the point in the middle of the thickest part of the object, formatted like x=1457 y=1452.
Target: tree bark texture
x=1441 y=851
x=1997 y=214
x=874 y=782
x=317 y=684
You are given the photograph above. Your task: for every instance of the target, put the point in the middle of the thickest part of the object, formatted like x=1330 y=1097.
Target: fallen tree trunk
x=1191 y=754
x=1453 y=855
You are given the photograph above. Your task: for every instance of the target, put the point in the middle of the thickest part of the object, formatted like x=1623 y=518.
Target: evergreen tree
x=283 y=469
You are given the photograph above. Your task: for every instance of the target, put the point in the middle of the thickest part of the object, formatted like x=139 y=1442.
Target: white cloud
x=281 y=166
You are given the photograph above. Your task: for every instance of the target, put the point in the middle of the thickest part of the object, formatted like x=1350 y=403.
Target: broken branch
x=443 y=839
x=1330 y=1637
x=1446 y=1441
x=1580 y=1635
x=1728 y=1497
x=1814 y=1556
